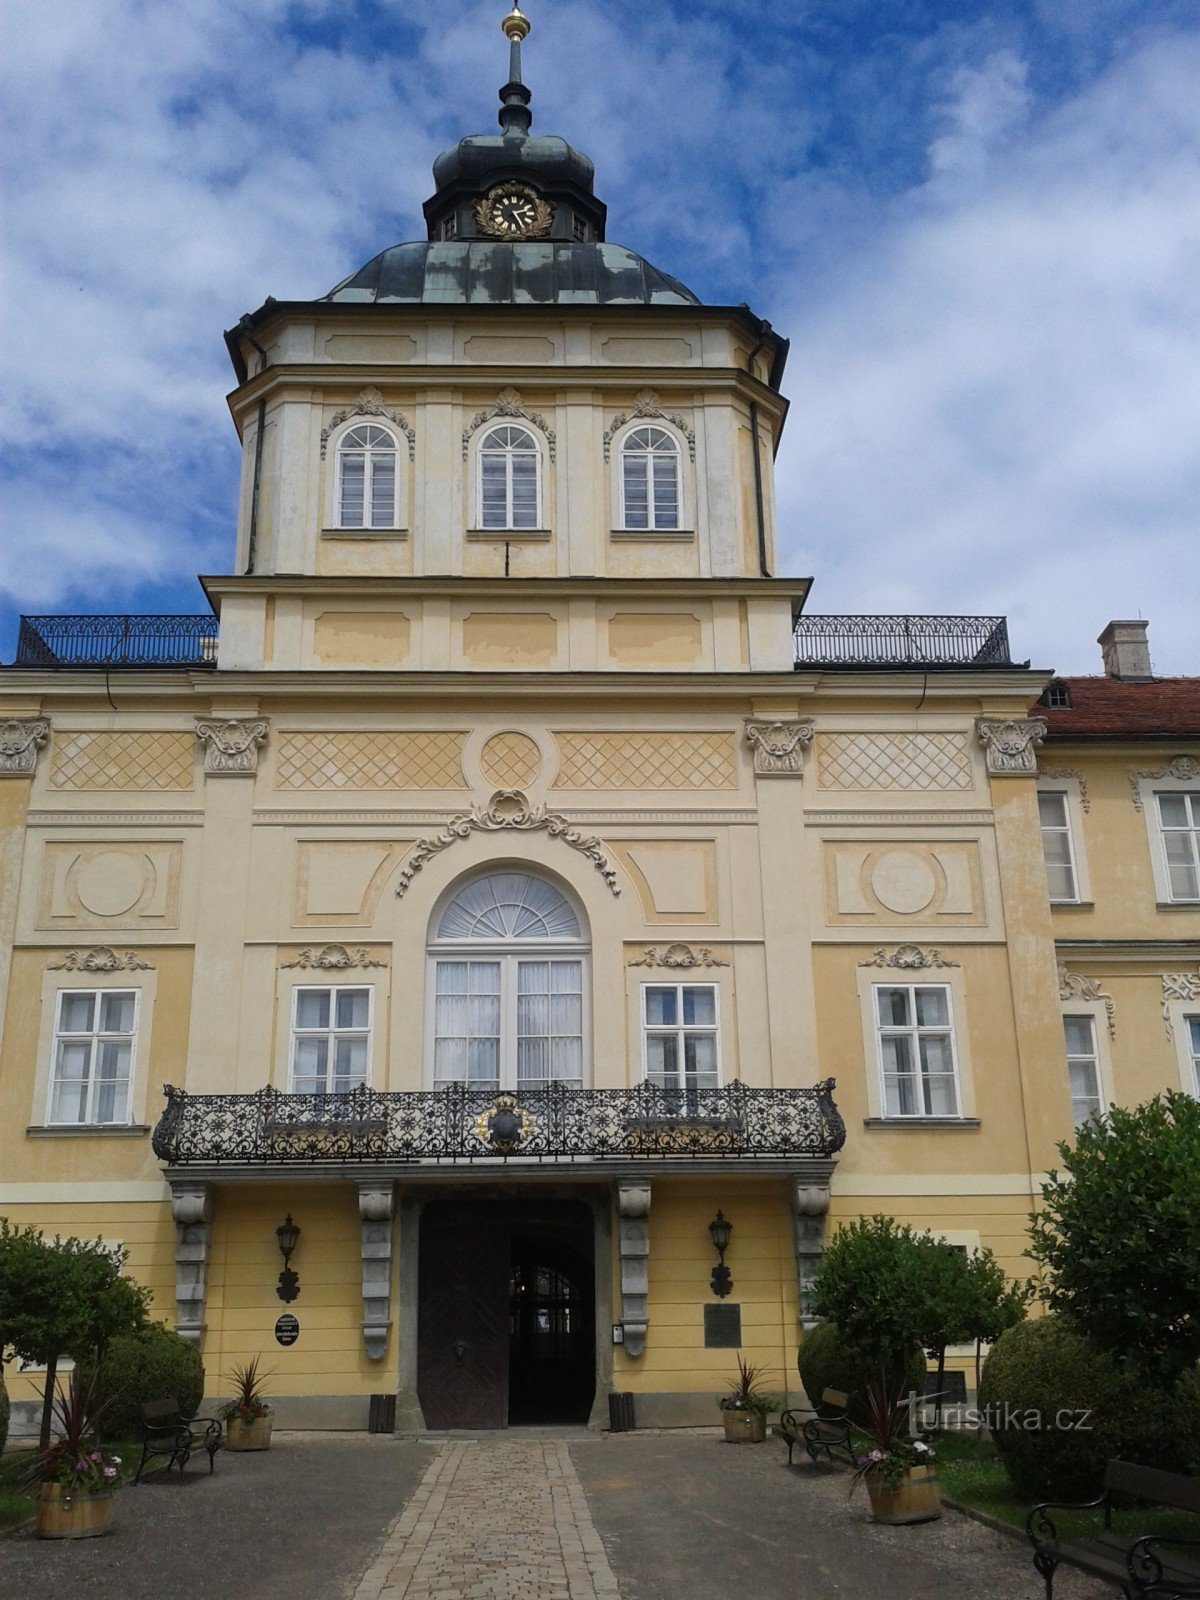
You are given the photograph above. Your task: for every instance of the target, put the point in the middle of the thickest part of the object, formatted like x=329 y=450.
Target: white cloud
x=996 y=409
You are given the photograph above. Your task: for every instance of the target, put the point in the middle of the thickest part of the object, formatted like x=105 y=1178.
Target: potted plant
x=898 y=1469
x=76 y=1480
x=247 y=1417
x=744 y=1409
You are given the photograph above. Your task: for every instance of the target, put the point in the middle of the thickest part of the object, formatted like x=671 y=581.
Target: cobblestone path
x=494 y=1521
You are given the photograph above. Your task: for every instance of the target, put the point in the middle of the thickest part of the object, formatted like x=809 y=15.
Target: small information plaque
x=287 y=1328
x=722 y=1327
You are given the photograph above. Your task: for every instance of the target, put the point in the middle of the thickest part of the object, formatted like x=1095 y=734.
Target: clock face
x=512 y=211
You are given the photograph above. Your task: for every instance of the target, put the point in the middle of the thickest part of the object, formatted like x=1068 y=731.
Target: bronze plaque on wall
x=722 y=1327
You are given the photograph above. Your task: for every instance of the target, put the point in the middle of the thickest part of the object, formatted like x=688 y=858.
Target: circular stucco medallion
x=903 y=882
x=111 y=883
x=510 y=760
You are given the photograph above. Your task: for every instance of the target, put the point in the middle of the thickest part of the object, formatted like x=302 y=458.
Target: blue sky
x=979 y=223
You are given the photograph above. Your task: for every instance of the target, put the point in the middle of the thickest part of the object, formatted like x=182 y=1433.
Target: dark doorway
x=506 y=1315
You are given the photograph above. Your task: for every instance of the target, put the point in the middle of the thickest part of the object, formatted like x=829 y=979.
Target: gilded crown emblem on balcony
x=505 y=1125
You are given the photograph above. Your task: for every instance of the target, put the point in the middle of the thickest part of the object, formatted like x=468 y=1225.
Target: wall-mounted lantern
x=289 y=1282
x=720 y=1230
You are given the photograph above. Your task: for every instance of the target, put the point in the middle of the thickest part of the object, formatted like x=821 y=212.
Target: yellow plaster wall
x=763 y=1266
x=328 y=1358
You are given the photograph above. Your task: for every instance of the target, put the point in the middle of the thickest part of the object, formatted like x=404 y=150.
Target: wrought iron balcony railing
x=854 y=641
x=458 y=1124
x=102 y=641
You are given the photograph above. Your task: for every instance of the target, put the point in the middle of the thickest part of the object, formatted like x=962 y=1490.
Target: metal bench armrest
x=1147 y=1571
x=1040 y=1527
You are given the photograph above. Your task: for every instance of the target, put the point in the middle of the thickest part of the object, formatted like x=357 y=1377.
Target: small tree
x=872 y=1283
x=1118 y=1234
x=62 y=1297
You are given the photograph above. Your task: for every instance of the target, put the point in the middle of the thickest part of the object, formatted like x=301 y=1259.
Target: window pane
x=524 y=491
x=940 y=1097
x=1173 y=809
x=635 y=473
x=897 y=1053
x=935 y=1053
x=112 y=1082
x=1079 y=1036
x=666 y=493
x=1052 y=809
x=309 y=1058
x=116 y=1013
x=483 y=1061
x=900 y=1098
x=1193 y=1024
x=1085 y=1091
x=1181 y=866
x=933 y=1008
x=353 y=497
x=452 y=977
x=700 y=1059
x=350 y=1064
x=69 y=1100
x=493 y=492
x=353 y=1008
x=312 y=1008
x=383 y=490
x=699 y=1006
x=76 y=1012
x=662 y=1058
x=893 y=1007
x=1060 y=881
x=661 y=1007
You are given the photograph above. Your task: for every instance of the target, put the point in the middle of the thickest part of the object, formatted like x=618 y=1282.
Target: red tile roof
x=1112 y=708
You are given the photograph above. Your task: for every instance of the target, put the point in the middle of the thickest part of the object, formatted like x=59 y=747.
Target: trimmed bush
x=826 y=1361
x=1042 y=1376
x=4 y=1410
x=155 y=1364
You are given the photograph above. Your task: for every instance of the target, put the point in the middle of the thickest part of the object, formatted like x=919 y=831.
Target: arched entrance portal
x=506 y=1313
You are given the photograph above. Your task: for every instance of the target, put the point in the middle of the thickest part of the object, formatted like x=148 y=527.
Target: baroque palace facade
x=498 y=891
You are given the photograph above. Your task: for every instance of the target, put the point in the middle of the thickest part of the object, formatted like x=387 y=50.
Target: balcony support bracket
x=633 y=1241
x=191 y=1208
x=810 y=1207
x=376 y=1208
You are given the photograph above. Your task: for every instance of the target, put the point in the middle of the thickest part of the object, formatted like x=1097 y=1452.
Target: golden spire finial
x=516 y=25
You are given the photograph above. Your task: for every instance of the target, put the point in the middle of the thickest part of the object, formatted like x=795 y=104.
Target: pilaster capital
x=1010 y=744
x=231 y=745
x=779 y=747
x=20 y=740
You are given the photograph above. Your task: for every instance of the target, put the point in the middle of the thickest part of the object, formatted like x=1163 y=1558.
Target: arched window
x=508 y=962
x=509 y=462
x=366 y=478
x=649 y=479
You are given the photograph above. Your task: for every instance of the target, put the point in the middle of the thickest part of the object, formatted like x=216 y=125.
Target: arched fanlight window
x=508 y=967
x=366 y=478
x=649 y=479
x=509 y=463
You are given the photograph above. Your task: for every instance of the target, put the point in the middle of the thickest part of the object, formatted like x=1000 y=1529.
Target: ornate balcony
x=117 y=641
x=861 y=641
x=458 y=1126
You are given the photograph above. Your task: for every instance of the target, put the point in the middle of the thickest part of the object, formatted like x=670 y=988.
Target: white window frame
x=1146 y=791
x=333 y=525
x=1074 y=1015
x=1190 y=1034
x=685 y=530
x=1179 y=1016
x=951 y=978
x=681 y=1029
x=508 y=954
x=539 y=453
x=1068 y=828
x=915 y=1030
x=1102 y=1038
x=330 y=1033
x=676 y=456
x=96 y=1035
x=1163 y=875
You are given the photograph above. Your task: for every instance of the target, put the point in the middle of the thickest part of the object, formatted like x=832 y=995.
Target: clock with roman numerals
x=513 y=211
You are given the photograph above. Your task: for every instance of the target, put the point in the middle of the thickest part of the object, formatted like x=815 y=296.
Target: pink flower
x=110 y=1472
x=95 y=1455
x=876 y=1455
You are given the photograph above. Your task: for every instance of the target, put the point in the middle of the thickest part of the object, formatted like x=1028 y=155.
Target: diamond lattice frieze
x=647 y=761
x=124 y=760
x=923 y=761
x=371 y=761
x=510 y=760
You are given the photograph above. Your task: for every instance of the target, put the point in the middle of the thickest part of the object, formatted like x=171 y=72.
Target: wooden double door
x=506 y=1314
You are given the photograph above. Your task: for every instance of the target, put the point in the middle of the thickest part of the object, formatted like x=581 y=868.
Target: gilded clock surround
x=513 y=211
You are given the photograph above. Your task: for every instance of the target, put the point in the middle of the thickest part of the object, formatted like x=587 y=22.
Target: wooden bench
x=1149 y=1565
x=819 y=1434
x=166 y=1433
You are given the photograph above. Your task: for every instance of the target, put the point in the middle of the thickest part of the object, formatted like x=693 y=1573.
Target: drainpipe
x=764 y=569
x=252 y=543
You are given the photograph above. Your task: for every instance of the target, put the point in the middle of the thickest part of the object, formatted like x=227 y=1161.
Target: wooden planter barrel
x=254 y=1435
x=916 y=1499
x=64 y=1514
x=744 y=1427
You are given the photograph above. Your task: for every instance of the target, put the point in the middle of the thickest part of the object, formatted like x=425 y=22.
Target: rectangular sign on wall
x=722 y=1327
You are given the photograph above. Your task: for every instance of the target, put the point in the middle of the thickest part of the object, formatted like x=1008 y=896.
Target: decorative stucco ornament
x=779 y=747
x=334 y=958
x=1183 y=986
x=508 y=404
x=681 y=956
x=231 y=747
x=20 y=740
x=1181 y=768
x=370 y=403
x=1074 y=986
x=1011 y=744
x=908 y=958
x=100 y=958
x=646 y=405
x=508 y=808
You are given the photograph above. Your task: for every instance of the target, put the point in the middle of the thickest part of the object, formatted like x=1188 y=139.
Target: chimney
x=1126 y=650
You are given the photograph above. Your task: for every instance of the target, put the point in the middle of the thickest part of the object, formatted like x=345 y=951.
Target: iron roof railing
x=458 y=1124
x=901 y=641
x=117 y=641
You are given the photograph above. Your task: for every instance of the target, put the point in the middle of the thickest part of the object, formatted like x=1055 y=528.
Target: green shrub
x=826 y=1361
x=4 y=1410
x=1042 y=1376
x=155 y=1364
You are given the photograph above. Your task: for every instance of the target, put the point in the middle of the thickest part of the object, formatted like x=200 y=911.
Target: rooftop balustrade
x=117 y=641
x=901 y=641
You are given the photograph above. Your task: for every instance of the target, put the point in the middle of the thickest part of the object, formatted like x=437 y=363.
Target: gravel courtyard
x=517 y=1517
